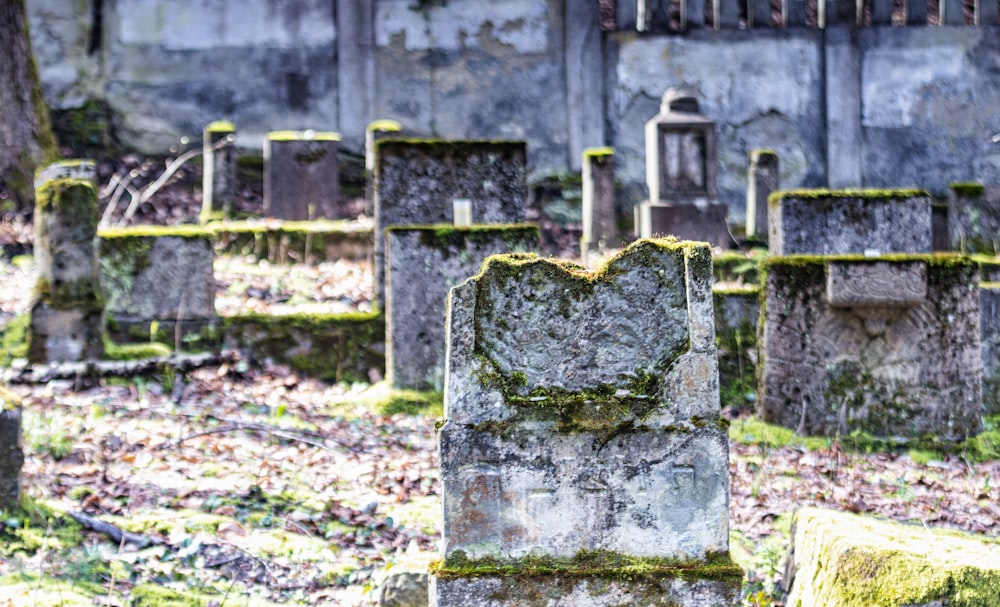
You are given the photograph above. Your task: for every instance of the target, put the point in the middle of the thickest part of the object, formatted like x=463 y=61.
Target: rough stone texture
x=417 y=180
x=83 y=169
x=146 y=276
x=404 y=589
x=588 y=592
x=974 y=219
x=989 y=310
x=219 y=177
x=846 y=560
x=736 y=313
x=67 y=311
x=11 y=454
x=886 y=362
x=823 y=222
x=600 y=226
x=763 y=179
x=422 y=265
x=300 y=175
x=581 y=415
x=706 y=222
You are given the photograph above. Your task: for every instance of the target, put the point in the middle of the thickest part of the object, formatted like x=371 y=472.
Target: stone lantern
x=681 y=174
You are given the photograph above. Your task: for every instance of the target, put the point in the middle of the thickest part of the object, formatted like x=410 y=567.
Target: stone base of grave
x=11 y=455
x=846 y=560
x=194 y=334
x=590 y=591
x=65 y=335
x=687 y=221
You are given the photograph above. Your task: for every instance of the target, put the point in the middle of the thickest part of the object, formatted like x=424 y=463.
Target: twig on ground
x=273 y=430
x=117 y=535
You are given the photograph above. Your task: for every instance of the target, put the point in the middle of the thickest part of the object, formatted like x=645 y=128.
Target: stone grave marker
x=600 y=226
x=67 y=311
x=218 y=183
x=417 y=181
x=974 y=218
x=300 y=175
x=11 y=454
x=583 y=461
x=162 y=274
x=762 y=180
x=80 y=168
x=989 y=311
x=422 y=264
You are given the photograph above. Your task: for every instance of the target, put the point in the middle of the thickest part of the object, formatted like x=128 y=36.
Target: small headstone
x=762 y=180
x=11 y=454
x=974 y=218
x=161 y=274
x=379 y=129
x=417 y=181
x=600 y=229
x=582 y=431
x=219 y=177
x=300 y=175
x=83 y=169
x=707 y=221
x=422 y=264
x=67 y=312
x=826 y=222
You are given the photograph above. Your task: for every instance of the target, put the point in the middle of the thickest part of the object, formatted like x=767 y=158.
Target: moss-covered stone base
x=846 y=560
x=293 y=241
x=11 y=455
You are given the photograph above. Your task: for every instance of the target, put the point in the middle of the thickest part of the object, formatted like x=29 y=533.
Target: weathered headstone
x=890 y=347
x=974 y=218
x=828 y=222
x=80 y=168
x=162 y=274
x=422 y=264
x=417 y=181
x=379 y=129
x=300 y=175
x=11 y=454
x=989 y=311
x=218 y=183
x=681 y=174
x=762 y=180
x=67 y=312
x=583 y=461
x=600 y=227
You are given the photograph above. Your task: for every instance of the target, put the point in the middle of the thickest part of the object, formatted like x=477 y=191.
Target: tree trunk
x=26 y=138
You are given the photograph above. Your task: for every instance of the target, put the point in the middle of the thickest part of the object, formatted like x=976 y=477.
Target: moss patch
x=866 y=194
x=968 y=190
x=303 y=136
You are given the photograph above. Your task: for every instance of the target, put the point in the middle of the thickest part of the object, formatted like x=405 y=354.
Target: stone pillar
x=762 y=180
x=380 y=129
x=436 y=258
x=842 y=82
x=582 y=431
x=300 y=175
x=973 y=221
x=218 y=184
x=67 y=314
x=80 y=168
x=11 y=454
x=599 y=217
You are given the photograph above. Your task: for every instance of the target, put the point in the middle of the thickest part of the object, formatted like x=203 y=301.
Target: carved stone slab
x=879 y=284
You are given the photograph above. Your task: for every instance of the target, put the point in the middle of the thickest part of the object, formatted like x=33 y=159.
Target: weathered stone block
x=158 y=273
x=989 y=310
x=415 y=182
x=704 y=222
x=11 y=454
x=824 y=222
x=846 y=560
x=82 y=169
x=974 y=218
x=422 y=264
x=600 y=226
x=72 y=334
x=218 y=185
x=300 y=175
x=763 y=179
x=840 y=356
x=582 y=435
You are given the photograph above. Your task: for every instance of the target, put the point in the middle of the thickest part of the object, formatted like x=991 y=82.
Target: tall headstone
x=11 y=454
x=67 y=312
x=218 y=185
x=681 y=174
x=417 y=183
x=380 y=129
x=422 y=264
x=600 y=227
x=300 y=175
x=583 y=459
x=762 y=180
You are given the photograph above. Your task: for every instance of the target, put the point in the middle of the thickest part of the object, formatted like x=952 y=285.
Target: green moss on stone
x=867 y=194
x=156 y=231
x=306 y=135
x=384 y=125
x=968 y=190
x=447 y=237
x=220 y=126
x=598 y=152
x=69 y=197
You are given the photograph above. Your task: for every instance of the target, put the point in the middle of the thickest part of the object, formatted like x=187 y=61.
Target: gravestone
x=82 y=169
x=11 y=454
x=583 y=460
x=989 y=310
x=762 y=180
x=300 y=175
x=67 y=311
x=422 y=264
x=162 y=274
x=829 y=222
x=890 y=347
x=599 y=218
x=417 y=181
x=218 y=184
x=375 y=131
x=681 y=174
x=974 y=218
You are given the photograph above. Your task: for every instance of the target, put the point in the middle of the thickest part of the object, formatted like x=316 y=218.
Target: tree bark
x=26 y=138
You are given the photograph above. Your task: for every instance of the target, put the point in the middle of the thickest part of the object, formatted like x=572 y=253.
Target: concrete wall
x=871 y=107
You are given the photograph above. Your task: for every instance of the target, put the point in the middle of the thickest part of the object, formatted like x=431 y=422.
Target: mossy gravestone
x=416 y=182
x=583 y=459
x=300 y=175
x=846 y=560
x=422 y=264
x=67 y=313
x=11 y=454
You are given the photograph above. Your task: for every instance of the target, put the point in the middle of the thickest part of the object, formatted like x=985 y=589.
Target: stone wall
x=843 y=107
